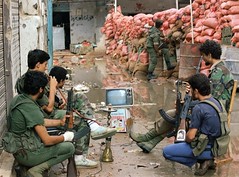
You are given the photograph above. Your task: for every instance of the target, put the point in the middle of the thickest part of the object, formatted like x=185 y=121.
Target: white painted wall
x=33 y=32
x=87 y=18
x=82 y=21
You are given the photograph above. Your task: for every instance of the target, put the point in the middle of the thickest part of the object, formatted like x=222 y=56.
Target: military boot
x=138 y=137
x=149 y=145
x=37 y=171
x=151 y=76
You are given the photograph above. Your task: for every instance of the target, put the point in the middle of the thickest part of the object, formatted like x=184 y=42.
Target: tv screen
x=119 y=97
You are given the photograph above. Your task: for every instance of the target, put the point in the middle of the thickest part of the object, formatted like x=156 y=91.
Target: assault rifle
x=181 y=134
x=71 y=166
x=173 y=120
x=179 y=121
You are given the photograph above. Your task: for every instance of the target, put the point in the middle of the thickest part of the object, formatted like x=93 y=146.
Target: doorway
x=62 y=19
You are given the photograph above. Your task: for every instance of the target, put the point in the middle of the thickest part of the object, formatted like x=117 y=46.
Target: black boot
x=151 y=76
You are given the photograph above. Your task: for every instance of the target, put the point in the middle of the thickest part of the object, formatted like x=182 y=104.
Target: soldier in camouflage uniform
x=220 y=77
x=221 y=83
x=155 y=43
x=37 y=61
x=82 y=104
x=27 y=137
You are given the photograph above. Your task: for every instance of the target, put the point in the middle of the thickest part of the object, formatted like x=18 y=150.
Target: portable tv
x=120 y=97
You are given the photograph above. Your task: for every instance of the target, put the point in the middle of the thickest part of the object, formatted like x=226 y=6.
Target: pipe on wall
x=50 y=33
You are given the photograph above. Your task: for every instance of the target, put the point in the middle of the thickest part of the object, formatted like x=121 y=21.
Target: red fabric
x=210 y=22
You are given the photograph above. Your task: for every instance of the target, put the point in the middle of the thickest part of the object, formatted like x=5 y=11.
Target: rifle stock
x=71 y=166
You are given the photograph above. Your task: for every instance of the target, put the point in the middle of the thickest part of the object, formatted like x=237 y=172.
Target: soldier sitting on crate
x=221 y=82
x=37 y=61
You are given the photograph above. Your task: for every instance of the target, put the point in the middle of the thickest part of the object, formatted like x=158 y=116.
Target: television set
x=120 y=97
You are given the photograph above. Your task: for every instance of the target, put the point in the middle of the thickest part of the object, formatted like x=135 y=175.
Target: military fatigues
x=220 y=77
x=82 y=144
x=24 y=114
x=82 y=105
x=154 y=38
x=221 y=82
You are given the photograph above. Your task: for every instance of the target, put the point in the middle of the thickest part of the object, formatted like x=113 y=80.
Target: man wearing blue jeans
x=204 y=121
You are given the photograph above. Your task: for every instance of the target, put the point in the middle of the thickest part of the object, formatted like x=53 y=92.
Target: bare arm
x=191 y=134
x=49 y=108
x=46 y=138
x=55 y=122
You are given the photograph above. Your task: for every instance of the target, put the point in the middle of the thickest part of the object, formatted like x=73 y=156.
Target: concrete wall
x=33 y=23
x=152 y=6
x=82 y=22
x=87 y=18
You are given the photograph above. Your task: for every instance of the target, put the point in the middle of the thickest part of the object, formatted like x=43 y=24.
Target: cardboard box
x=119 y=118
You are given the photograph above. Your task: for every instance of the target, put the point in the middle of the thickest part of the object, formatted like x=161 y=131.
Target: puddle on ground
x=148 y=97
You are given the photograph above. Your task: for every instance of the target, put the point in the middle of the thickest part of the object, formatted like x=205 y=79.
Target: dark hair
x=158 y=23
x=59 y=73
x=35 y=56
x=201 y=83
x=211 y=47
x=34 y=80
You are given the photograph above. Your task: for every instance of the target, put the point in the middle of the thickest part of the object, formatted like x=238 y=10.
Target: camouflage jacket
x=221 y=82
x=83 y=105
x=153 y=37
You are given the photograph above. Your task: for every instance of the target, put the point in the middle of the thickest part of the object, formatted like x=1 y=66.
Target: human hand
x=68 y=136
x=63 y=121
x=188 y=88
x=62 y=106
x=53 y=82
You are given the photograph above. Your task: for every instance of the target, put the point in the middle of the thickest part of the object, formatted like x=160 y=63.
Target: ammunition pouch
x=12 y=142
x=220 y=145
x=199 y=144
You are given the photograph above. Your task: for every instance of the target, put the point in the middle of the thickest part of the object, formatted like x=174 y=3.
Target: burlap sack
x=131 y=65
x=135 y=42
x=142 y=41
x=140 y=67
x=123 y=60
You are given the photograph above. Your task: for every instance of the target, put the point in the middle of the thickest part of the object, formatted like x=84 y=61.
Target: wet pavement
x=149 y=97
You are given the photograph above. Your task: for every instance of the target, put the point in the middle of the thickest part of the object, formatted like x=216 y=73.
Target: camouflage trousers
x=153 y=59
x=82 y=144
x=82 y=104
x=170 y=60
x=162 y=126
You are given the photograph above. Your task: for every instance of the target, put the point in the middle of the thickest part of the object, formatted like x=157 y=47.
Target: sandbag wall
x=125 y=35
